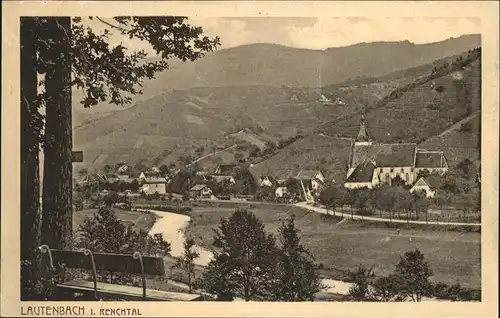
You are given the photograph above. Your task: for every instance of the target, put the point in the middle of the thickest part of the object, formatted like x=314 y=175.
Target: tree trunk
x=189 y=281
x=57 y=179
x=30 y=178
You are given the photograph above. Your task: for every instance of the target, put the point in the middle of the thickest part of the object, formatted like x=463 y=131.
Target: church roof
x=362 y=173
x=363 y=133
x=384 y=155
x=429 y=159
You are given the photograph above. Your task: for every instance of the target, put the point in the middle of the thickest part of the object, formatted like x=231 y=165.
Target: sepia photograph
x=189 y=158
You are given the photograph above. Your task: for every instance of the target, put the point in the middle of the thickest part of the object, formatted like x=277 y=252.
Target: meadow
x=339 y=246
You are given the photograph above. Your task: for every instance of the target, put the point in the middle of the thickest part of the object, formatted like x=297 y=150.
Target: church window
x=407 y=177
x=392 y=169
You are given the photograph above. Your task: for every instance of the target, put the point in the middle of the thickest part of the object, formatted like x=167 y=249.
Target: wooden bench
x=134 y=264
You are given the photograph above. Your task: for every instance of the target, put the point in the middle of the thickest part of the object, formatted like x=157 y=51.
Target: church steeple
x=363 y=133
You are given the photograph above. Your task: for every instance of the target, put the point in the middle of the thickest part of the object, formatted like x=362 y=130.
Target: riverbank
x=172 y=225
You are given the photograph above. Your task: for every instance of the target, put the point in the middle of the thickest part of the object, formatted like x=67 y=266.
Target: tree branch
x=112 y=25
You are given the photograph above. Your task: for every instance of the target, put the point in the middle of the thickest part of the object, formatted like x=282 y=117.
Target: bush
x=170 y=208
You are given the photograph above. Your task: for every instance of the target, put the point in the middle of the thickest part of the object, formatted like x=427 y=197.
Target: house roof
x=362 y=173
x=384 y=155
x=150 y=174
x=421 y=183
x=429 y=159
x=271 y=178
x=198 y=187
x=156 y=180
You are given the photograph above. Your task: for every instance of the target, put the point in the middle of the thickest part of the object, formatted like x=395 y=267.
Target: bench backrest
x=122 y=263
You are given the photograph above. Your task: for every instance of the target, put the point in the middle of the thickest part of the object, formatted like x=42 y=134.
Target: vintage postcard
x=326 y=158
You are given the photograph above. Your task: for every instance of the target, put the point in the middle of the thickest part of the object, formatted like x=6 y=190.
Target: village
x=372 y=166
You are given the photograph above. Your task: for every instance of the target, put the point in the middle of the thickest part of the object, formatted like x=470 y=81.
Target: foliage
x=245 y=263
x=104 y=232
x=282 y=143
x=164 y=170
x=186 y=261
x=222 y=188
x=454 y=292
x=270 y=148
x=361 y=279
x=245 y=181
x=362 y=200
x=386 y=288
x=293 y=188
x=297 y=277
x=181 y=181
x=413 y=273
x=254 y=151
x=265 y=193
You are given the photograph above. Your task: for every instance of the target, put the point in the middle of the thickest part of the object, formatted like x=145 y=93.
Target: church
x=372 y=163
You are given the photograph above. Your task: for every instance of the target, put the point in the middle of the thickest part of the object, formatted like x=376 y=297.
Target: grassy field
x=454 y=256
x=141 y=220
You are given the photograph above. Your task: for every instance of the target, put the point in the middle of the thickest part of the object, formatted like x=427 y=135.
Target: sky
x=322 y=33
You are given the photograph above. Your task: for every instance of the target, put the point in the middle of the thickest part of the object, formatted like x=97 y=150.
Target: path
x=205 y=157
x=210 y=154
x=455 y=126
x=374 y=219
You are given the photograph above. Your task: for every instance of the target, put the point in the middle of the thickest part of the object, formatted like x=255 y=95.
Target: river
x=171 y=226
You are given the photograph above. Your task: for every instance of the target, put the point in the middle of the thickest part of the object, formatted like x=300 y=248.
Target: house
x=154 y=185
x=294 y=98
x=324 y=99
x=224 y=169
x=122 y=168
x=313 y=179
x=402 y=160
x=281 y=192
x=267 y=181
x=200 y=191
x=363 y=176
x=423 y=185
x=149 y=174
